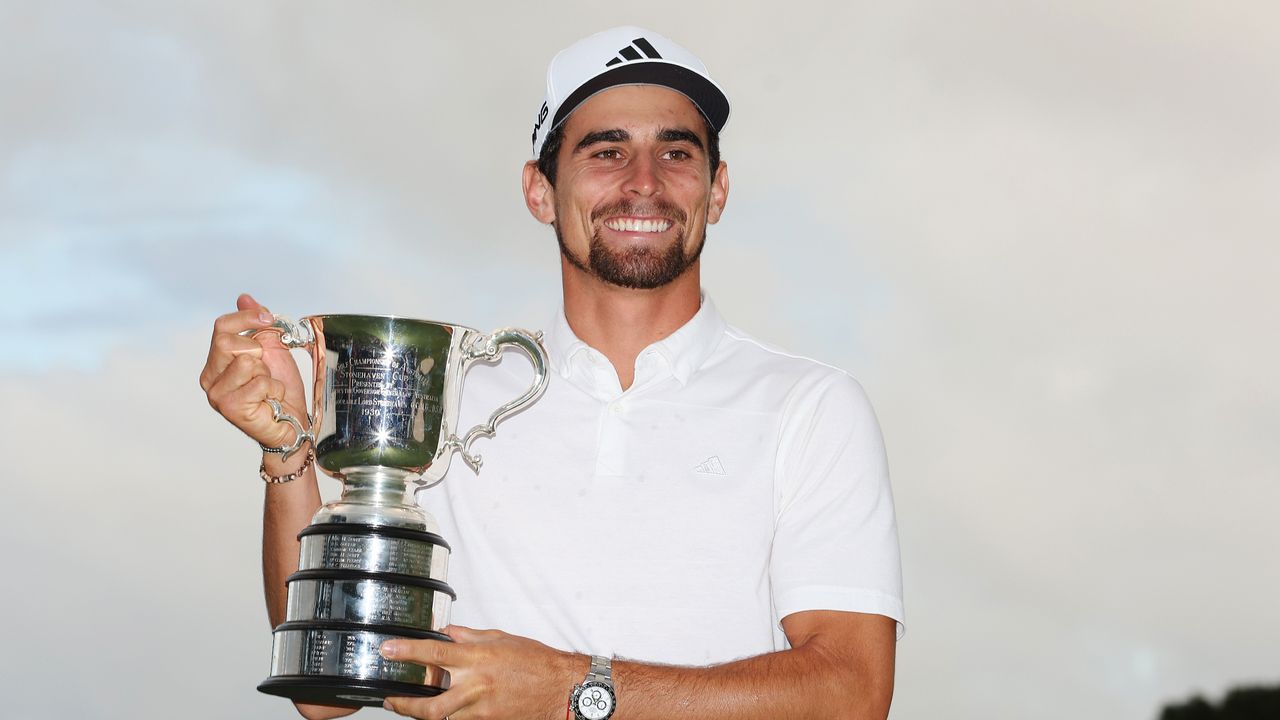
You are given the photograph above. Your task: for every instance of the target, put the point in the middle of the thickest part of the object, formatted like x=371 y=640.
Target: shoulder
x=801 y=379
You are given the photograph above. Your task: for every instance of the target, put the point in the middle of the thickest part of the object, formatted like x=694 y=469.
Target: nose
x=643 y=177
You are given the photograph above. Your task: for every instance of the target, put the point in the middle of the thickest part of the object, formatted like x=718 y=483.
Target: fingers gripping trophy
x=373 y=565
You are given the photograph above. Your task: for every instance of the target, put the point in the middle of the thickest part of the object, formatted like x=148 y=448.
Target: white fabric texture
x=679 y=521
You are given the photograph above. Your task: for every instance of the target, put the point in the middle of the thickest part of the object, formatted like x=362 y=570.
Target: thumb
x=269 y=341
x=246 y=302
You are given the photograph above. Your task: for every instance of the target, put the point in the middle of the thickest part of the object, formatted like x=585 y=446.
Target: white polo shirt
x=679 y=521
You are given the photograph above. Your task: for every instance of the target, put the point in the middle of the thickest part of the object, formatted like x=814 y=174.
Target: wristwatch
x=595 y=698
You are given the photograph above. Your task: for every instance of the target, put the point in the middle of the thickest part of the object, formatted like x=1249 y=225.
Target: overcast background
x=1043 y=236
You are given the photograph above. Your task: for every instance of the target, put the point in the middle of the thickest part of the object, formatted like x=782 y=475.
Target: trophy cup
x=372 y=565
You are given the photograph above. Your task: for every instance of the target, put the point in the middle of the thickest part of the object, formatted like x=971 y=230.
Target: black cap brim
x=708 y=98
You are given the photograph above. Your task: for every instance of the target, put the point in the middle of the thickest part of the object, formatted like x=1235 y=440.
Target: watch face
x=594 y=701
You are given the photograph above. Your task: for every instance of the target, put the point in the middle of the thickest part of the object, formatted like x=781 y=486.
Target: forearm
x=287 y=508
x=840 y=667
x=803 y=682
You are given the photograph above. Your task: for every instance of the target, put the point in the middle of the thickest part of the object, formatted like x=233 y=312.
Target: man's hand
x=242 y=372
x=492 y=675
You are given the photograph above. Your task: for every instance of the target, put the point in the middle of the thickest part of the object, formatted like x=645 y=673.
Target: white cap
x=624 y=56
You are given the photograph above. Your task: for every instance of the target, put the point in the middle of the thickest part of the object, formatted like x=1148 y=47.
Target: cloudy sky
x=1043 y=236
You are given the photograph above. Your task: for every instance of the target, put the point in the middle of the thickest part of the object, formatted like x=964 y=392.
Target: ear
x=539 y=195
x=719 y=193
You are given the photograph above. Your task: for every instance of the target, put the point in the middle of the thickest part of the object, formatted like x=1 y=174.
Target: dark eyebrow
x=680 y=135
x=599 y=136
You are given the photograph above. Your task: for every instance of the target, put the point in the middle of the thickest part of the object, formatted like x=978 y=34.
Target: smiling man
x=689 y=523
x=699 y=524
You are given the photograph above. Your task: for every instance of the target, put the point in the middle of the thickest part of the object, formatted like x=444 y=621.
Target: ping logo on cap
x=537 y=124
x=630 y=53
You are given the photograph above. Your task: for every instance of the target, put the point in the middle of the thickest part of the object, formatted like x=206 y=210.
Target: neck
x=620 y=322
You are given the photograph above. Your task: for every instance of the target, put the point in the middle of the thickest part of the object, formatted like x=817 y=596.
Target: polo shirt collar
x=683 y=351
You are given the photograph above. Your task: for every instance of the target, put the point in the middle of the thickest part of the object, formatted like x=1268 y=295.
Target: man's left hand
x=492 y=675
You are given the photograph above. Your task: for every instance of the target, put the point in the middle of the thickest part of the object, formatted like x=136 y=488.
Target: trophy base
x=341 y=691
x=337 y=663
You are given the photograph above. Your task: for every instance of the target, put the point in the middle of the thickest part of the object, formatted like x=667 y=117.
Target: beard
x=639 y=268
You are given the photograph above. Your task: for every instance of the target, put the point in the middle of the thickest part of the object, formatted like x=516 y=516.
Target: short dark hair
x=548 y=158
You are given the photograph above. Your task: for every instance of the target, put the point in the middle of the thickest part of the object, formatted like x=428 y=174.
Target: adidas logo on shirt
x=710 y=466
x=630 y=52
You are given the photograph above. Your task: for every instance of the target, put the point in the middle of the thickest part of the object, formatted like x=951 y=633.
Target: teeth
x=632 y=225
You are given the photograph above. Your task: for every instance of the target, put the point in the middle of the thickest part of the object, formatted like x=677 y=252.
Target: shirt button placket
x=610 y=458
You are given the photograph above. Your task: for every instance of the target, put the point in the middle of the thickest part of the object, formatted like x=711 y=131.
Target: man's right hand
x=242 y=372
x=239 y=376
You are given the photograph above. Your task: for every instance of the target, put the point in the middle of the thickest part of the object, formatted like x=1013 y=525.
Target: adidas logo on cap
x=630 y=52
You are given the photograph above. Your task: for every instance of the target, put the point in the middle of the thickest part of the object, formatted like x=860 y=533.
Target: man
x=690 y=523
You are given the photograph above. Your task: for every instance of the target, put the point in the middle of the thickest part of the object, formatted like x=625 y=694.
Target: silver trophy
x=372 y=566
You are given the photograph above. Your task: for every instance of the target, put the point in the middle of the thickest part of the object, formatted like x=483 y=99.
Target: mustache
x=652 y=208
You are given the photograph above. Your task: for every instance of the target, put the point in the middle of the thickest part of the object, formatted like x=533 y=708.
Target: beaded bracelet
x=278 y=479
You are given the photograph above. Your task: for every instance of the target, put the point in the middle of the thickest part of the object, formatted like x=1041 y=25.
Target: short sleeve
x=836 y=538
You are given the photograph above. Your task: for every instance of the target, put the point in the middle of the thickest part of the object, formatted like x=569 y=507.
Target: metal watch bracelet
x=601 y=669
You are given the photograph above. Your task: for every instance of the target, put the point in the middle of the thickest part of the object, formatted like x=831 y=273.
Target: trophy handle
x=292 y=335
x=488 y=348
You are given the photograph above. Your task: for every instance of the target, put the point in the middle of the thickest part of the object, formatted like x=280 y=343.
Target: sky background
x=1042 y=235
